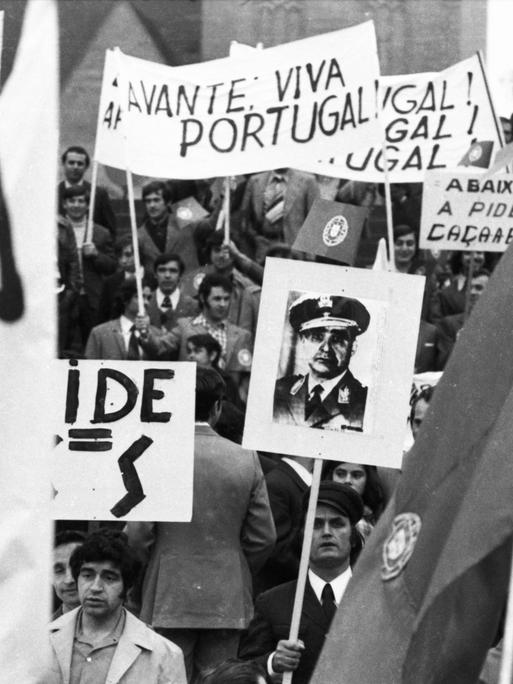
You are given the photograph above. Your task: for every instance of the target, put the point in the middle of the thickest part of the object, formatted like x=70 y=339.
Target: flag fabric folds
x=28 y=168
x=479 y=154
x=428 y=592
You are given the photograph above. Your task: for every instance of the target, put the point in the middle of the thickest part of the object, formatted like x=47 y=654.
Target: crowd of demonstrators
x=221 y=588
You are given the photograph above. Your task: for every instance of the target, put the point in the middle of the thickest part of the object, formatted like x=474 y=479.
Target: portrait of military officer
x=328 y=396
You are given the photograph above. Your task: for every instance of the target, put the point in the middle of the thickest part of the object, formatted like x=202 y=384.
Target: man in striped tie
x=335 y=543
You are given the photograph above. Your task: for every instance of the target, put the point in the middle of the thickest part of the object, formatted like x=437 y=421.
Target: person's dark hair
x=122 y=242
x=126 y=291
x=156 y=186
x=207 y=342
x=210 y=388
x=213 y=239
x=481 y=272
x=76 y=191
x=69 y=537
x=107 y=545
x=213 y=280
x=76 y=149
x=403 y=229
x=235 y=671
x=166 y=258
x=373 y=495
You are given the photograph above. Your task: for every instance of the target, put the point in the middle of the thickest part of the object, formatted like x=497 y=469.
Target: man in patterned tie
x=169 y=303
x=328 y=396
x=335 y=543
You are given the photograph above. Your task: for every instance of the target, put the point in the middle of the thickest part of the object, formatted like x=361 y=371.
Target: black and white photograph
x=256 y=371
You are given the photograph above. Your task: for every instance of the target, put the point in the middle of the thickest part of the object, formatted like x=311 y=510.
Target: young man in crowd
x=75 y=162
x=245 y=299
x=160 y=232
x=339 y=508
x=128 y=337
x=96 y=257
x=169 y=302
x=100 y=641
x=63 y=582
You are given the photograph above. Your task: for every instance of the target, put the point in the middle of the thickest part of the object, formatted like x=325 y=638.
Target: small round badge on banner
x=399 y=546
x=335 y=231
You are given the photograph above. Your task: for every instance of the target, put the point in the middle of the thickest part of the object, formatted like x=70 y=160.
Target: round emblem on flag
x=244 y=357
x=475 y=153
x=184 y=213
x=335 y=231
x=196 y=282
x=399 y=546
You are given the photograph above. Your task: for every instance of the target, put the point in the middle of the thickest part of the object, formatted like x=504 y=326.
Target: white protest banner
x=373 y=319
x=109 y=148
x=430 y=121
x=226 y=117
x=467 y=212
x=125 y=440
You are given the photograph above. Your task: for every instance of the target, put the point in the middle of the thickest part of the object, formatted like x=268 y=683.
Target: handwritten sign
x=125 y=441
x=234 y=116
x=430 y=121
x=466 y=212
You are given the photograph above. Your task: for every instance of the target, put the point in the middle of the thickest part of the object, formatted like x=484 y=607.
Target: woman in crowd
x=365 y=480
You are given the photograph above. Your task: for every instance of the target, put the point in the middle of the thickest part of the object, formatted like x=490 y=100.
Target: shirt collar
x=303 y=473
x=327 y=385
x=126 y=324
x=174 y=297
x=338 y=584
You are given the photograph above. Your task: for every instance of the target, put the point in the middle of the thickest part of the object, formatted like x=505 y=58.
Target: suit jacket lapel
x=62 y=643
x=296 y=404
x=173 y=233
x=125 y=654
x=117 y=336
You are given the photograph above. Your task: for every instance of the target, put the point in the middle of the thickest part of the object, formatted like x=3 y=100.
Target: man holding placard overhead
x=328 y=397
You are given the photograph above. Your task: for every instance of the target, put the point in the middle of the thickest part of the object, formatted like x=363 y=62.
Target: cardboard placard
x=464 y=212
x=125 y=440
x=364 y=415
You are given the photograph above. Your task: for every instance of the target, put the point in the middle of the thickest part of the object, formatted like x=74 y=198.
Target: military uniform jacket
x=343 y=408
x=273 y=615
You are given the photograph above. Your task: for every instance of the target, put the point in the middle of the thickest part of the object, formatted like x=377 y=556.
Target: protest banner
x=110 y=144
x=28 y=144
x=430 y=121
x=332 y=229
x=235 y=116
x=124 y=440
x=365 y=413
x=466 y=212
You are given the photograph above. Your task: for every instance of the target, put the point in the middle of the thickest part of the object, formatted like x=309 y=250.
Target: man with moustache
x=100 y=641
x=328 y=397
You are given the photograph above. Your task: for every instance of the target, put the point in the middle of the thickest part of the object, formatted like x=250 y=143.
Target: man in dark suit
x=169 y=303
x=328 y=397
x=339 y=507
x=287 y=483
x=160 y=232
x=197 y=587
x=75 y=162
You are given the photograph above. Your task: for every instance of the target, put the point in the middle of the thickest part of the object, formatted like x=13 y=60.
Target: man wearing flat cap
x=335 y=542
x=328 y=397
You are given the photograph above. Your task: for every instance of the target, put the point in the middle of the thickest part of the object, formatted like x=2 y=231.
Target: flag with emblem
x=28 y=172
x=479 y=154
x=428 y=592
x=332 y=229
x=504 y=157
x=188 y=211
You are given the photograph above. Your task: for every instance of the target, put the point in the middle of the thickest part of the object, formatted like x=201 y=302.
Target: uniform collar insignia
x=343 y=395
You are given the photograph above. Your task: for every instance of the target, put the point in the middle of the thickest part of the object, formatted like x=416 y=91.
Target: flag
x=28 y=172
x=188 y=211
x=504 y=157
x=428 y=592
x=332 y=229
x=479 y=154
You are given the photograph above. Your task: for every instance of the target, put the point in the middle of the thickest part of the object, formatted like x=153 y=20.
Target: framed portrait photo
x=333 y=362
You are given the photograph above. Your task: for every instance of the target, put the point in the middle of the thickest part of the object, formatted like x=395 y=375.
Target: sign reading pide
x=124 y=440
x=465 y=212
